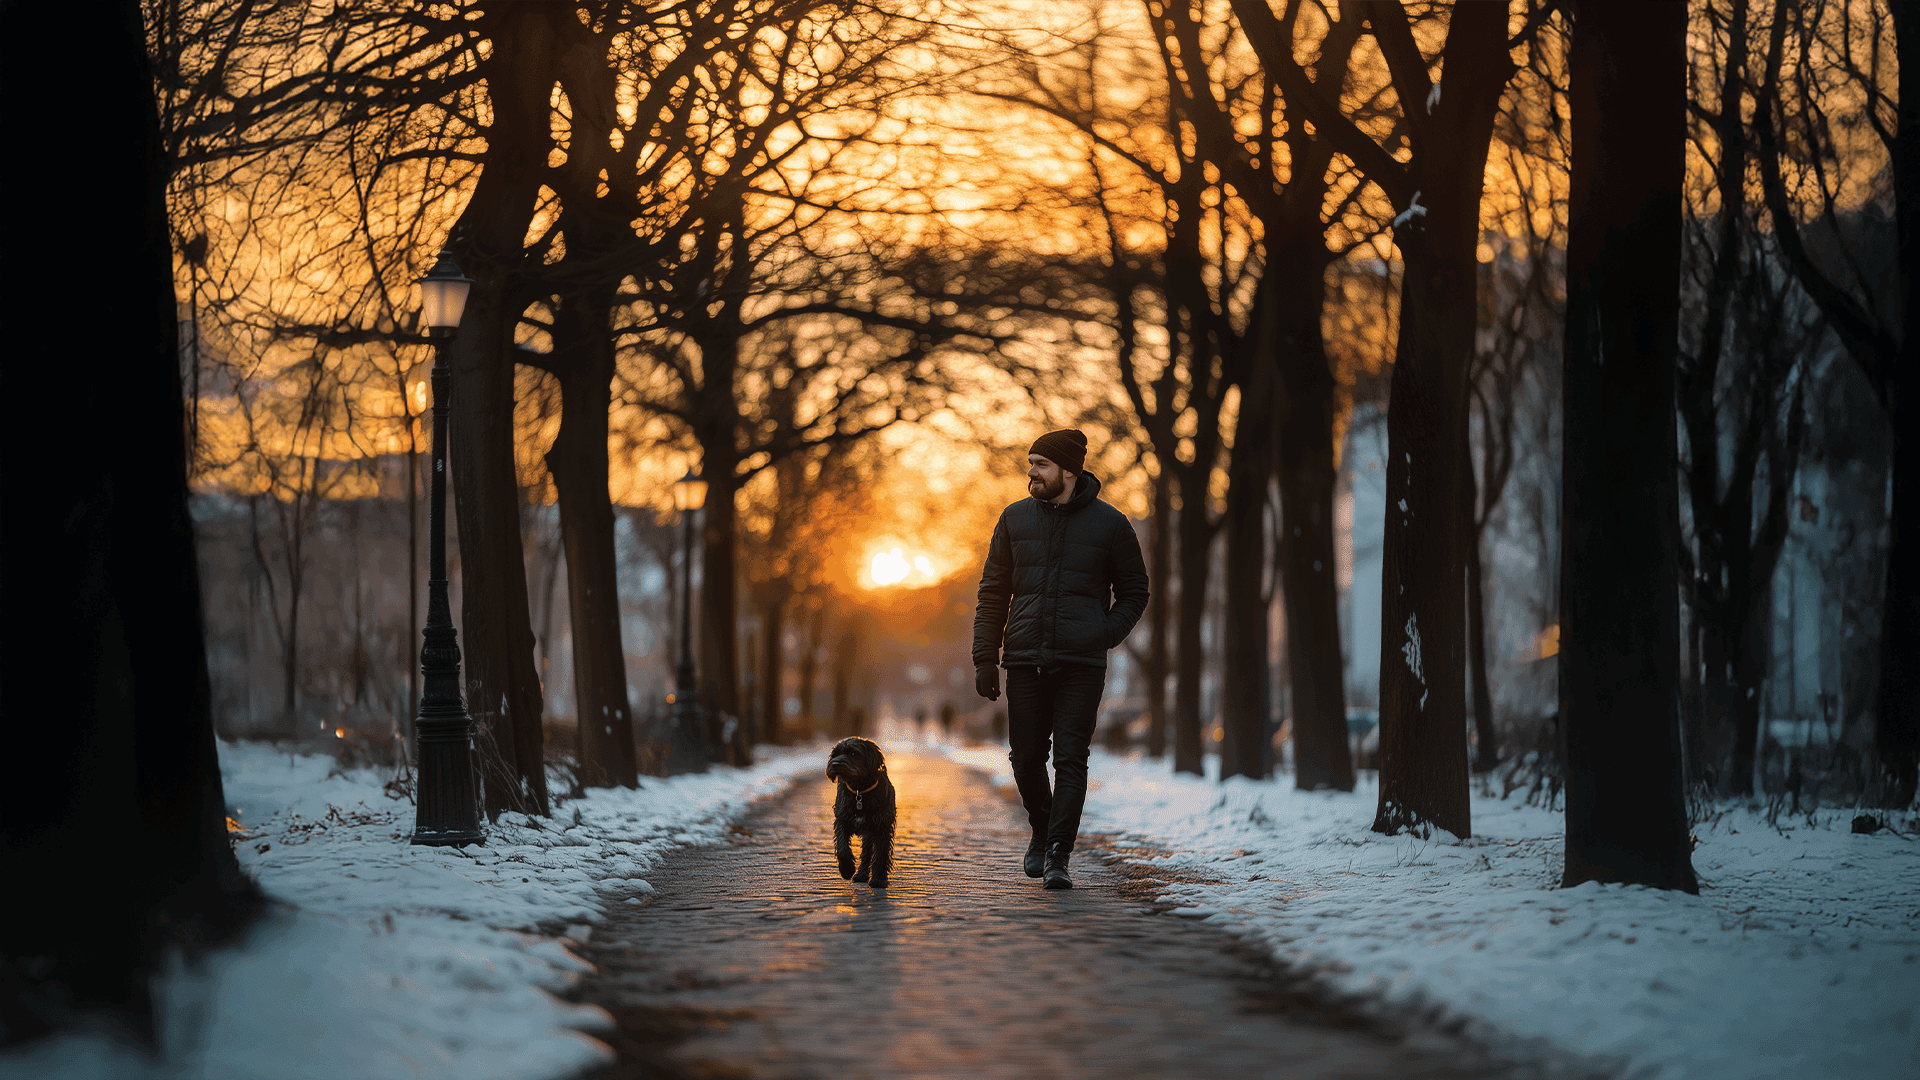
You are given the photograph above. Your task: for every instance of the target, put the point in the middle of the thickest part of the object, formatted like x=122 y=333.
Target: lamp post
x=687 y=750
x=447 y=811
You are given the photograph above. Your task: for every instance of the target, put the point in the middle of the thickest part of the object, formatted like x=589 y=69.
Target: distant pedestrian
x=1064 y=583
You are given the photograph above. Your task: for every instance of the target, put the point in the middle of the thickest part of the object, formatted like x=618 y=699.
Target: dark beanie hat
x=1066 y=448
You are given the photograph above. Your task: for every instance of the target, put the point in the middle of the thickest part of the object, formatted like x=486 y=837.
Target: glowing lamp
x=443 y=295
x=689 y=492
x=447 y=801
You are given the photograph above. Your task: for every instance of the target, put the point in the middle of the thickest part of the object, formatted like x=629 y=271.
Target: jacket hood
x=1086 y=488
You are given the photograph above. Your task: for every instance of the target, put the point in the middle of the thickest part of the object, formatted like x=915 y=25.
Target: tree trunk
x=1196 y=536
x=845 y=653
x=719 y=638
x=1423 y=723
x=1755 y=631
x=1619 y=626
x=1485 y=753
x=1739 y=673
x=716 y=427
x=809 y=666
x=1161 y=573
x=838 y=690
x=290 y=648
x=1717 y=720
x=1897 y=720
x=773 y=632
x=1692 y=703
x=1310 y=594
x=1713 y=725
x=115 y=828
x=502 y=682
x=1245 y=749
x=583 y=362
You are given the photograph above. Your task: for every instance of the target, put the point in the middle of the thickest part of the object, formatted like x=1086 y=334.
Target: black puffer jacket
x=1063 y=583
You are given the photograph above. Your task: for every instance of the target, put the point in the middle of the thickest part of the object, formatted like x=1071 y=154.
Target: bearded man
x=1064 y=583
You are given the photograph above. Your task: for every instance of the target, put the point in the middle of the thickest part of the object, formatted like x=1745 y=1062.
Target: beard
x=1044 y=491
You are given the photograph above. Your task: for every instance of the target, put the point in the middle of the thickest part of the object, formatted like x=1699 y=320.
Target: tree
x=1739 y=500
x=408 y=91
x=793 y=512
x=1315 y=199
x=763 y=204
x=1619 y=627
x=105 y=562
x=503 y=684
x=1796 y=123
x=1446 y=128
x=1521 y=315
x=583 y=282
x=1246 y=699
x=614 y=170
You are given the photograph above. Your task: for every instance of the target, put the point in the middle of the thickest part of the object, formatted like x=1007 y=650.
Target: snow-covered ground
x=1800 y=958
x=381 y=959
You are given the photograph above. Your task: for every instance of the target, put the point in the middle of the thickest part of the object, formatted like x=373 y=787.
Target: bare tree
x=1619 y=645
x=1446 y=128
x=106 y=563
x=1796 y=125
x=1521 y=313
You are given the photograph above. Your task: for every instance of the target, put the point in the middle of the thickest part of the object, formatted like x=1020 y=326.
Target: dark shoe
x=1036 y=850
x=1057 y=868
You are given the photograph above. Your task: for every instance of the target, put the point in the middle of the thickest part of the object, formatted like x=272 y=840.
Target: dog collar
x=869 y=787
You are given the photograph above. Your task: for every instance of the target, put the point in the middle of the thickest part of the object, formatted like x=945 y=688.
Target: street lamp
x=687 y=750
x=448 y=807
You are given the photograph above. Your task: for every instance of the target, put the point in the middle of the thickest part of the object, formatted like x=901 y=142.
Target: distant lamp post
x=687 y=750
x=447 y=812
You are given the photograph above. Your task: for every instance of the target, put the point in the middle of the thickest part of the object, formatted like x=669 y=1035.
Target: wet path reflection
x=754 y=959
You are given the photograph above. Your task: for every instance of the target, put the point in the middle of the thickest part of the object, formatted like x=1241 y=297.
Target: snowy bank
x=1800 y=957
x=381 y=959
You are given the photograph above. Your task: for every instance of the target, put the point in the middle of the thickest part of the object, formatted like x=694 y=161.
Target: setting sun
x=894 y=566
x=890 y=567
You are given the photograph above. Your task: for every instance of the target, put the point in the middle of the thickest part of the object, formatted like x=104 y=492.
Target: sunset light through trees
x=1511 y=404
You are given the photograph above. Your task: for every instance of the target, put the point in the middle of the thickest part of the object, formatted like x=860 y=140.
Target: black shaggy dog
x=863 y=806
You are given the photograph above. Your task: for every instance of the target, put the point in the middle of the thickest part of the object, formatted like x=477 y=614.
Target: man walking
x=1064 y=582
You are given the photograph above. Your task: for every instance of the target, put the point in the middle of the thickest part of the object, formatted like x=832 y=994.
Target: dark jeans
x=1056 y=707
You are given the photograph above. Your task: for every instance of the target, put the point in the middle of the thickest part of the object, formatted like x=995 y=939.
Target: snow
x=380 y=959
x=1411 y=650
x=1800 y=957
x=1413 y=210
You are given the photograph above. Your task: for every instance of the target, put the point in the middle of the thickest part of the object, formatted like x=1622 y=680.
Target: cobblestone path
x=754 y=959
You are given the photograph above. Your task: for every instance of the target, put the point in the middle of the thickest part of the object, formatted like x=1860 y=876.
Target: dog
x=863 y=805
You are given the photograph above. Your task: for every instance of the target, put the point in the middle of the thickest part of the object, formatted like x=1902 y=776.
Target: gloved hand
x=986 y=682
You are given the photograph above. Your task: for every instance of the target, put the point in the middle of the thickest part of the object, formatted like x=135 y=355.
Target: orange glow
x=1549 y=641
x=339 y=733
x=896 y=566
x=890 y=567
